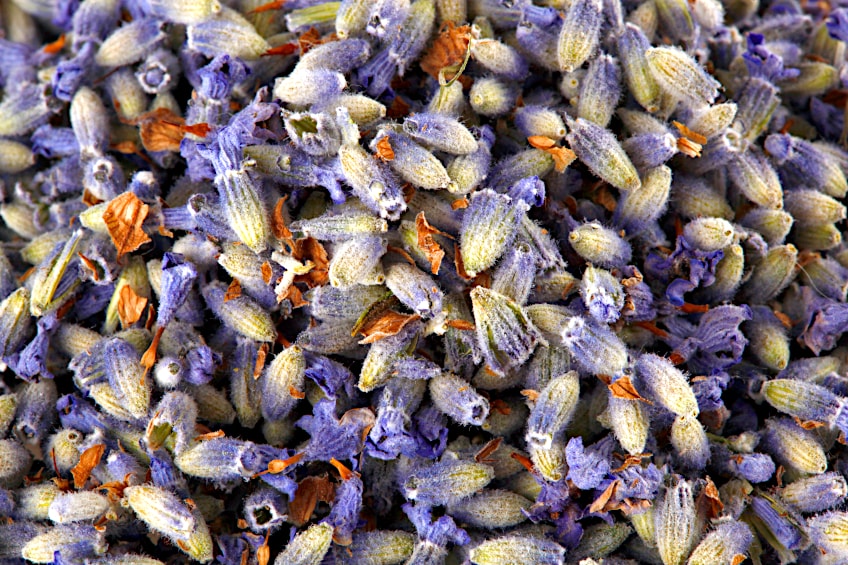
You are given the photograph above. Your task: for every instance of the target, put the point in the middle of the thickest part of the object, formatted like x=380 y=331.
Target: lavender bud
x=632 y=48
x=594 y=347
x=283 y=377
x=709 y=234
x=355 y=260
x=130 y=43
x=518 y=550
x=728 y=540
x=488 y=227
x=441 y=132
x=74 y=541
x=514 y=276
x=667 y=385
x=600 y=540
x=412 y=162
x=228 y=33
x=602 y=294
x=600 y=91
x=553 y=410
x=629 y=422
x=187 y=13
x=599 y=245
x=33 y=501
x=538 y=120
x=454 y=397
x=771 y=274
x=773 y=225
x=681 y=76
x=380 y=547
x=794 y=446
x=447 y=482
x=816 y=493
x=637 y=209
x=829 y=532
x=492 y=509
x=803 y=399
x=579 y=35
x=492 y=97
x=677 y=527
x=499 y=58
x=504 y=332
x=690 y=442
x=755 y=178
x=599 y=150
x=126 y=377
x=352 y=17
x=813 y=208
x=77 y=507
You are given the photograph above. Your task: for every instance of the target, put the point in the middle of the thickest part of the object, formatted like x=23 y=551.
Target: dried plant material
x=737 y=559
x=163 y=130
x=460 y=266
x=294 y=296
x=784 y=320
x=709 y=501
x=310 y=249
x=408 y=192
x=309 y=491
x=55 y=47
x=463 y=325
x=601 y=502
x=294 y=393
x=210 y=435
x=428 y=244
x=562 y=156
x=89 y=199
x=500 y=407
x=149 y=357
x=389 y=324
x=402 y=253
x=374 y=312
x=384 y=149
x=89 y=459
x=459 y=204
x=629 y=507
x=631 y=460
x=448 y=49
x=689 y=147
x=398 y=109
x=692 y=135
x=605 y=198
x=124 y=216
x=127 y=147
x=482 y=456
x=284 y=49
x=524 y=460
x=263 y=553
x=274 y=5
x=130 y=306
x=345 y=473
x=90 y=265
x=261 y=355
x=267 y=273
x=278 y=223
x=530 y=394
x=623 y=388
x=541 y=142
x=808 y=424
x=312 y=38
x=233 y=291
